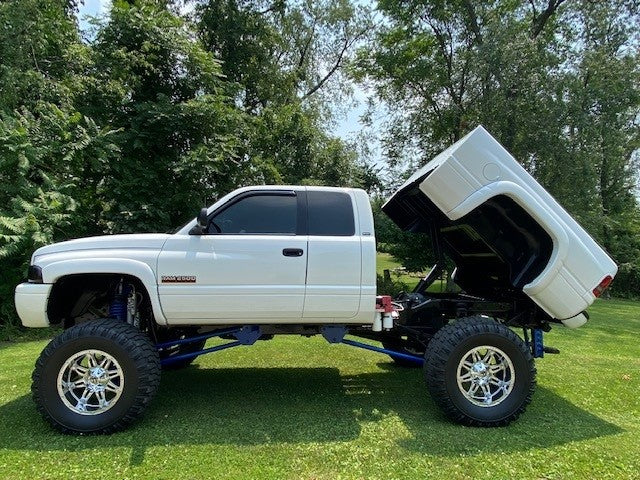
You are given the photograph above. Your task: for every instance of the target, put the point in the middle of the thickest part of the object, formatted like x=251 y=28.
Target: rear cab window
x=330 y=214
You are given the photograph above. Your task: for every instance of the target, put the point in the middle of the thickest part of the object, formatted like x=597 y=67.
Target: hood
x=134 y=241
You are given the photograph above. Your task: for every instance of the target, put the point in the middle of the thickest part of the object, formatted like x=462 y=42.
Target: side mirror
x=203 y=219
x=202 y=222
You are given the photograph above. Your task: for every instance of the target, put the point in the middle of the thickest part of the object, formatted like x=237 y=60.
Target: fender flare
x=54 y=271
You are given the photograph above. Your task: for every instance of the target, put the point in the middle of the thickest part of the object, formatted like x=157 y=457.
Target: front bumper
x=31 y=304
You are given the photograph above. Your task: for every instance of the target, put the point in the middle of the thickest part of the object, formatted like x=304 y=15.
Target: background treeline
x=162 y=106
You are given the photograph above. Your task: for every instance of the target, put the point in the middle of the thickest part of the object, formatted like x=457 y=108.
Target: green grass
x=410 y=279
x=387 y=262
x=295 y=408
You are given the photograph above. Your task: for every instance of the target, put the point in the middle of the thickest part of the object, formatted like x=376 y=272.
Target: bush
x=627 y=281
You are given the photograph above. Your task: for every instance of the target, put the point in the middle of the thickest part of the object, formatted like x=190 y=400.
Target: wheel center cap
x=97 y=379
x=479 y=368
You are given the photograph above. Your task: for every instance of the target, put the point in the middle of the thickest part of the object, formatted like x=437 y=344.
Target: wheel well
x=76 y=298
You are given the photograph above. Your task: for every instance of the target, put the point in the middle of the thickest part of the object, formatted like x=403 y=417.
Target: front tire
x=96 y=377
x=479 y=372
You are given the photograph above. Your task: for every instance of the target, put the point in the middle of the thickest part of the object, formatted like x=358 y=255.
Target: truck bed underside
x=497 y=248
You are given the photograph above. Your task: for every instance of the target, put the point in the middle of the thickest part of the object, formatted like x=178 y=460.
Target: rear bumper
x=31 y=304
x=577 y=321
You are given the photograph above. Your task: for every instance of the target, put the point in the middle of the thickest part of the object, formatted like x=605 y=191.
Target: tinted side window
x=330 y=213
x=275 y=214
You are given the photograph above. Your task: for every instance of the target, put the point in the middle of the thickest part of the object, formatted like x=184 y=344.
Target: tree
x=35 y=41
x=179 y=136
x=278 y=52
x=555 y=81
x=283 y=63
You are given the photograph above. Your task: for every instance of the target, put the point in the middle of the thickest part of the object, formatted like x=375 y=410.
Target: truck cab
x=273 y=254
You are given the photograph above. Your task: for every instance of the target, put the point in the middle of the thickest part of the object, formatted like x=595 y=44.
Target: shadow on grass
x=242 y=406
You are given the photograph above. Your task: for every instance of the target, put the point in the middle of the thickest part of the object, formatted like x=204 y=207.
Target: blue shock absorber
x=538 y=343
x=118 y=306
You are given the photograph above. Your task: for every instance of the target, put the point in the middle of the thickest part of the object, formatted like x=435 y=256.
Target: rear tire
x=96 y=377
x=479 y=372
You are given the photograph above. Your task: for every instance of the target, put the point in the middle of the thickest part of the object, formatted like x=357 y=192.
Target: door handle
x=292 y=252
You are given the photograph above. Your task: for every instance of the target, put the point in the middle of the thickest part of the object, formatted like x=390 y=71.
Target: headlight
x=35 y=274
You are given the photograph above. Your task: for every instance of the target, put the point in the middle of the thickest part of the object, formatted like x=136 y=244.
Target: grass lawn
x=295 y=408
x=387 y=262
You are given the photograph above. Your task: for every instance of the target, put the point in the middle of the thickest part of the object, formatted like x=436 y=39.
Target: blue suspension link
x=386 y=351
x=249 y=334
x=246 y=335
x=336 y=333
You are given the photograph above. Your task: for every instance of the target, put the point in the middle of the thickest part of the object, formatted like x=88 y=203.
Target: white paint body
x=134 y=255
x=246 y=279
x=240 y=278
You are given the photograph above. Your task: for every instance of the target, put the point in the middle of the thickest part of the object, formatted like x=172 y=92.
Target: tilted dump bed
x=505 y=233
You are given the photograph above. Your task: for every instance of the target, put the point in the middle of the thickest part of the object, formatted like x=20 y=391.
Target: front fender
x=52 y=272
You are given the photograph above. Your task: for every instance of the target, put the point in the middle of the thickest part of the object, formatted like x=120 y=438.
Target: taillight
x=602 y=286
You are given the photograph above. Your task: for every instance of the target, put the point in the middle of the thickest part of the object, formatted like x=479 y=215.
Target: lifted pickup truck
x=301 y=260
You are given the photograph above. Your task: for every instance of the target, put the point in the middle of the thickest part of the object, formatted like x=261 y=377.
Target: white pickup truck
x=273 y=260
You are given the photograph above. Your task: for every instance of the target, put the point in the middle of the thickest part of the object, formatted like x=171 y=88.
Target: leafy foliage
x=278 y=52
x=173 y=127
x=33 y=210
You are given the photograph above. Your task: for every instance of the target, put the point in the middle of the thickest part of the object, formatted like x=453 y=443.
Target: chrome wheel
x=90 y=382
x=486 y=376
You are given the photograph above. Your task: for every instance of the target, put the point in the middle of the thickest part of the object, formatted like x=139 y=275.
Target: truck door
x=249 y=266
x=335 y=260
